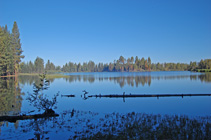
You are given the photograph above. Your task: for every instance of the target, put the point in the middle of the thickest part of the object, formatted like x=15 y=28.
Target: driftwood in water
x=71 y=95
x=146 y=95
x=25 y=117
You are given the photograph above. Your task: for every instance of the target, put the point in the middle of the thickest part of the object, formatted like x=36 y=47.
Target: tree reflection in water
x=10 y=98
x=121 y=80
x=80 y=125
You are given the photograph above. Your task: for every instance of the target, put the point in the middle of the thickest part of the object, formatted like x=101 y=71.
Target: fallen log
x=145 y=95
x=71 y=95
x=25 y=117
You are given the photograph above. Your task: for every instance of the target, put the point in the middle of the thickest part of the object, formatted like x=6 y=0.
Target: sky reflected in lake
x=131 y=83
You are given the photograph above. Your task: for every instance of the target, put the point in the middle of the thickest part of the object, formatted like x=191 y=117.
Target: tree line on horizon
x=10 y=50
x=121 y=65
x=38 y=66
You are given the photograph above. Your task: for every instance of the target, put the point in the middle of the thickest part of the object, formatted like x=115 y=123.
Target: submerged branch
x=25 y=117
x=146 y=95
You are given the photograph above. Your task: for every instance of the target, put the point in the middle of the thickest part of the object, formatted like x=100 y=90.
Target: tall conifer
x=17 y=50
x=6 y=57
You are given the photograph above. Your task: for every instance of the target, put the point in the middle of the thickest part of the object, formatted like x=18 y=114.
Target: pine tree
x=142 y=63
x=149 y=63
x=6 y=56
x=47 y=66
x=31 y=67
x=2 y=53
x=17 y=50
x=145 y=65
x=39 y=65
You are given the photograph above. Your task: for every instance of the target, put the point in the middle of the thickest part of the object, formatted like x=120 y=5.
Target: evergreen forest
x=120 y=65
x=10 y=51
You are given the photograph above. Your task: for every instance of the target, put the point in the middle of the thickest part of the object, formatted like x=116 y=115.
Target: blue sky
x=102 y=30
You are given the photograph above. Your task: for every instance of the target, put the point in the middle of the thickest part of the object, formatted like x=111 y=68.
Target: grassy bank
x=47 y=75
x=56 y=76
x=8 y=76
x=30 y=74
x=203 y=70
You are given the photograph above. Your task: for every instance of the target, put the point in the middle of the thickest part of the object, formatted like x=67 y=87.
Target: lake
x=134 y=83
x=14 y=93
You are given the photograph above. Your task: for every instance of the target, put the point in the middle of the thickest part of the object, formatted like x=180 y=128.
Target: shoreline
x=59 y=75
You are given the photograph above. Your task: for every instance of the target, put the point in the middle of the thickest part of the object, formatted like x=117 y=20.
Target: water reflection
x=136 y=80
x=31 y=79
x=205 y=78
x=10 y=98
x=11 y=95
x=133 y=81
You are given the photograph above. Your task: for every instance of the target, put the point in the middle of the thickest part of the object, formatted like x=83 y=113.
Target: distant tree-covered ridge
x=121 y=65
x=10 y=50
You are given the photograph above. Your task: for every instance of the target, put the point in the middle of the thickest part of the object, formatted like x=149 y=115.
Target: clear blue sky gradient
x=102 y=30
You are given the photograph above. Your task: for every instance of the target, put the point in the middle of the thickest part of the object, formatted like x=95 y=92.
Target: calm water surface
x=13 y=94
x=130 y=83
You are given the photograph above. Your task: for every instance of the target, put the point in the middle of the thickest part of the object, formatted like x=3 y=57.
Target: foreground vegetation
x=145 y=126
x=74 y=124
